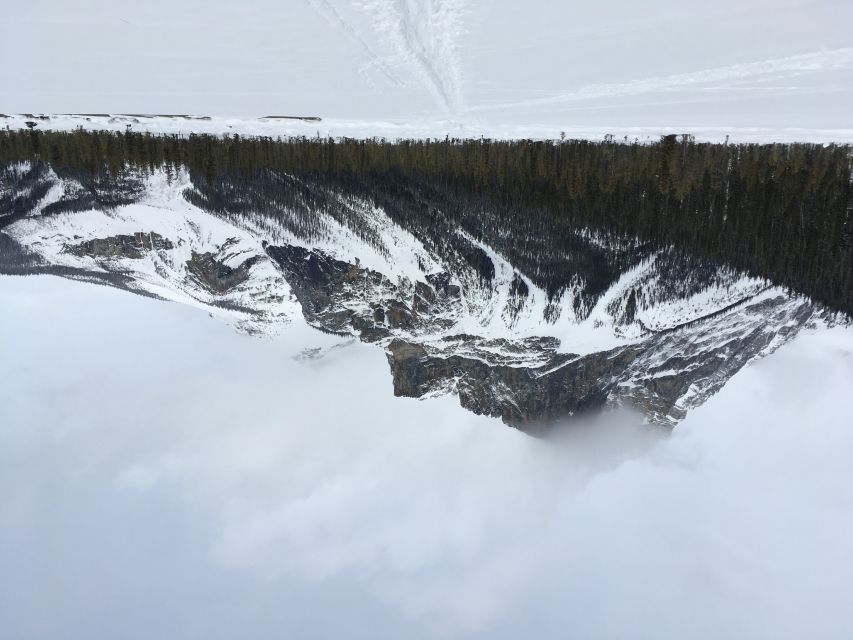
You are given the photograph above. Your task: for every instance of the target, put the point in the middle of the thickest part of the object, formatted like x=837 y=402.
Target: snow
x=424 y=129
x=164 y=211
x=264 y=304
x=401 y=254
x=489 y=303
x=711 y=299
x=754 y=70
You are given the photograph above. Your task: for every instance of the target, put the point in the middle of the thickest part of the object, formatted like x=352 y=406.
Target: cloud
x=190 y=482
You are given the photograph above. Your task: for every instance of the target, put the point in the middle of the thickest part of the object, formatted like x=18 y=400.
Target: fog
x=163 y=476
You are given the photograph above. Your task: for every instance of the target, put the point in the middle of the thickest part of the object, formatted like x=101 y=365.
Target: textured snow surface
x=752 y=69
x=163 y=273
x=164 y=476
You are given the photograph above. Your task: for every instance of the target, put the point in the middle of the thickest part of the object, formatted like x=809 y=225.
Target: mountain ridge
x=448 y=324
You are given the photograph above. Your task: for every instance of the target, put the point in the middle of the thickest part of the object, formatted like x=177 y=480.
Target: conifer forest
x=783 y=212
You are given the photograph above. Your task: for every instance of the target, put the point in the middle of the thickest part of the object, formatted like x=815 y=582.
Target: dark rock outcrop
x=340 y=297
x=215 y=275
x=122 y=246
x=526 y=397
x=527 y=382
x=662 y=376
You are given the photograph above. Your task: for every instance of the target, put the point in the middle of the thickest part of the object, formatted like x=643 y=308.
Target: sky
x=732 y=64
x=164 y=476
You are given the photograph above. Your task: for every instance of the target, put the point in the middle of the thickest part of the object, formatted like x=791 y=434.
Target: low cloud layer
x=161 y=476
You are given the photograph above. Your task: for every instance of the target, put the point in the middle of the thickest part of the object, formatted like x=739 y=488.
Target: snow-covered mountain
x=456 y=313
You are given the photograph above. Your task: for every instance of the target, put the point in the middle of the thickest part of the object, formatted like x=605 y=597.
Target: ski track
x=430 y=50
x=334 y=19
x=423 y=35
x=774 y=68
x=420 y=36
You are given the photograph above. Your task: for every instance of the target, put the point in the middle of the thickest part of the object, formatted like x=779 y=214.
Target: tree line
x=779 y=211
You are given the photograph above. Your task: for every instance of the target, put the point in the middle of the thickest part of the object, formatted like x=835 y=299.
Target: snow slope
x=752 y=69
x=263 y=304
x=487 y=309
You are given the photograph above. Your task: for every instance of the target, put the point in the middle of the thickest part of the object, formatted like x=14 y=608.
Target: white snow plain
x=756 y=70
x=164 y=476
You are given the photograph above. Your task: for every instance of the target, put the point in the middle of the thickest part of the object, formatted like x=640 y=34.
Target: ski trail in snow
x=424 y=34
x=765 y=69
x=420 y=36
x=425 y=38
x=333 y=18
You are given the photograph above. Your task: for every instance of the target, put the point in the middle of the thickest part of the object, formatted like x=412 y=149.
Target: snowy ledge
x=312 y=126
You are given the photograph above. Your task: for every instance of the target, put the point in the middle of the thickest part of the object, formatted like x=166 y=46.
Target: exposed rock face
x=663 y=376
x=529 y=383
x=341 y=297
x=525 y=397
x=217 y=276
x=122 y=246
